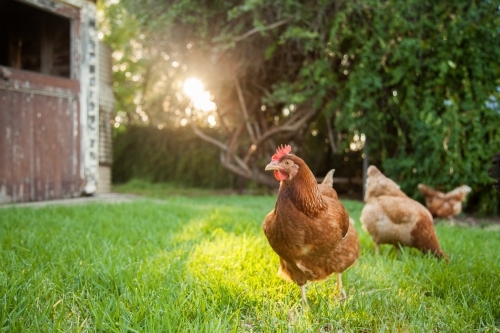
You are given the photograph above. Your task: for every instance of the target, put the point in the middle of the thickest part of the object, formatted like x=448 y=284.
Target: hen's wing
x=393 y=220
x=336 y=215
x=292 y=234
x=402 y=210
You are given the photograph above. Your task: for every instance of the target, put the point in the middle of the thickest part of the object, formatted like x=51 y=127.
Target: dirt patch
x=490 y=223
x=97 y=198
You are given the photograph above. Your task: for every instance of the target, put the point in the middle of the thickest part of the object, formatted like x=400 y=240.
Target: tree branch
x=289 y=126
x=331 y=138
x=259 y=177
x=244 y=110
x=207 y=138
x=256 y=29
x=220 y=114
x=233 y=141
x=221 y=145
x=240 y=166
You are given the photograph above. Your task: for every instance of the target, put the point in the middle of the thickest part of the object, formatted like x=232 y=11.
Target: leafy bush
x=421 y=79
x=169 y=155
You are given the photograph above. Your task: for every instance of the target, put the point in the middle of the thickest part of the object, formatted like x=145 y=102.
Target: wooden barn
x=54 y=81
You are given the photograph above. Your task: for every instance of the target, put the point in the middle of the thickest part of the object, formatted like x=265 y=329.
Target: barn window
x=34 y=40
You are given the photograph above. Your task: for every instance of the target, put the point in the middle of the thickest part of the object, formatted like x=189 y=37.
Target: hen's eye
x=287 y=162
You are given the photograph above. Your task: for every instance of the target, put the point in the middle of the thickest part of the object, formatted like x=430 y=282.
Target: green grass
x=162 y=190
x=202 y=264
x=159 y=190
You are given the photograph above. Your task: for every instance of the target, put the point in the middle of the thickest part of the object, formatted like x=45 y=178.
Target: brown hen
x=309 y=228
x=444 y=205
x=391 y=217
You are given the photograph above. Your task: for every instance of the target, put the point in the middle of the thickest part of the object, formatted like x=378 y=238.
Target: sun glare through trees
x=201 y=99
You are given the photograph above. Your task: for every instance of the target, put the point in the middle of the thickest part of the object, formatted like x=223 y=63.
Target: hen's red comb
x=280 y=152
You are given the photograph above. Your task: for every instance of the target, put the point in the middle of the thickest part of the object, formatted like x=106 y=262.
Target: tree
x=253 y=106
x=415 y=78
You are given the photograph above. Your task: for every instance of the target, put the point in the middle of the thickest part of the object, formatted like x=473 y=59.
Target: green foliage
x=168 y=155
x=129 y=67
x=418 y=85
x=202 y=264
x=419 y=79
x=145 y=81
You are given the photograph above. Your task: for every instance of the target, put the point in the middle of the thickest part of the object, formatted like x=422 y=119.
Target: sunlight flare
x=202 y=100
x=211 y=121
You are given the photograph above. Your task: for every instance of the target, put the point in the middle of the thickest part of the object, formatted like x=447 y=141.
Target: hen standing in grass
x=391 y=217
x=444 y=205
x=309 y=228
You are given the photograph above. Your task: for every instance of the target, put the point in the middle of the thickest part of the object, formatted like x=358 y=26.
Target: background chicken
x=444 y=205
x=391 y=217
x=309 y=228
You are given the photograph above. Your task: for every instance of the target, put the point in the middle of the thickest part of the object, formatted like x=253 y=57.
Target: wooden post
x=365 y=165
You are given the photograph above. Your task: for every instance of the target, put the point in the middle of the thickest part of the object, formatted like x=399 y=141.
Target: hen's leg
x=377 y=250
x=303 y=293
x=340 y=289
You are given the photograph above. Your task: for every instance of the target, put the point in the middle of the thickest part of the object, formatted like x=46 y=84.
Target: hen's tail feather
x=328 y=180
x=494 y=171
x=460 y=193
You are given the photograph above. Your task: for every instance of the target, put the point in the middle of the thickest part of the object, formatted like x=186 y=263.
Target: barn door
x=40 y=120
x=40 y=144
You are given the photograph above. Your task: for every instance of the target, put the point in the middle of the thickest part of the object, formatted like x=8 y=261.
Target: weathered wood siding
x=106 y=105
x=104 y=185
x=106 y=113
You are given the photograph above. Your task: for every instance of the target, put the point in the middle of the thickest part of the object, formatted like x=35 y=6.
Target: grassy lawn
x=202 y=264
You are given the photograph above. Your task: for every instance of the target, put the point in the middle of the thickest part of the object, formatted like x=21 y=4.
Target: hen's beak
x=272 y=166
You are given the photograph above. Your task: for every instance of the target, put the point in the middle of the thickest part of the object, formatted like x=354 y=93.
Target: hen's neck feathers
x=302 y=190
